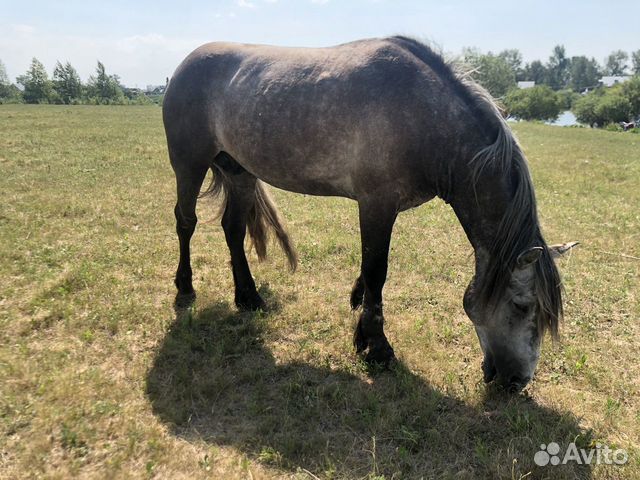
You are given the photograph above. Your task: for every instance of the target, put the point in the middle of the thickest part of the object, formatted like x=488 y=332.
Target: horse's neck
x=480 y=207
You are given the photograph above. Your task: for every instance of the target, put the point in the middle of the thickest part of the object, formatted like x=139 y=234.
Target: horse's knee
x=185 y=224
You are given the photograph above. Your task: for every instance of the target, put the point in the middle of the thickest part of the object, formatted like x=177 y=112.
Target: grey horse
x=389 y=124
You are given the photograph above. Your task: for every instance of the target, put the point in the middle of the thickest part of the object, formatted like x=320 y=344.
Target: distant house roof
x=156 y=89
x=611 y=80
x=526 y=84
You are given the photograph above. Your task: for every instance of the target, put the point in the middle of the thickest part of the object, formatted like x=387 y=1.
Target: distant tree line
x=500 y=72
x=561 y=83
x=66 y=87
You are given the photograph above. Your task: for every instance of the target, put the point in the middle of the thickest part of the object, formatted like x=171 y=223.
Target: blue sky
x=143 y=41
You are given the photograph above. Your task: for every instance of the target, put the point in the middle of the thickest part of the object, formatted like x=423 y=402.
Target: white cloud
x=23 y=29
x=132 y=42
x=219 y=15
x=245 y=4
x=138 y=59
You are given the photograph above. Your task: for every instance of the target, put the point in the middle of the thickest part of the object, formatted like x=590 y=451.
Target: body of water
x=565 y=119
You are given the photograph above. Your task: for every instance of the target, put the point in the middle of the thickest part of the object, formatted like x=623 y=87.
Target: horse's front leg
x=376 y=223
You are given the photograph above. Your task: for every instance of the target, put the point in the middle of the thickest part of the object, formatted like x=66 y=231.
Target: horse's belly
x=301 y=175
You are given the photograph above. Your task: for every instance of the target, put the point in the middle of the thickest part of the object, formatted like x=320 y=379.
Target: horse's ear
x=557 y=251
x=529 y=257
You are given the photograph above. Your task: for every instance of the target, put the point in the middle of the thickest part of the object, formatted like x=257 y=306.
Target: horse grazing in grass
x=389 y=124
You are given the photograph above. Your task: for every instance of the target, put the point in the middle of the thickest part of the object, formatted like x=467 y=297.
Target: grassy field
x=101 y=378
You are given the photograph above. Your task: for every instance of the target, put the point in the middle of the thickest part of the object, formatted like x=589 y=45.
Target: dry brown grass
x=101 y=378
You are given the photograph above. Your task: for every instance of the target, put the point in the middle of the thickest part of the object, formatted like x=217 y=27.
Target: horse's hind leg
x=240 y=202
x=376 y=223
x=189 y=179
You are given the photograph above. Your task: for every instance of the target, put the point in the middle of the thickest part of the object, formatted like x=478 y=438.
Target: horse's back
x=327 y=121
x=237 y=66
x=343 y=55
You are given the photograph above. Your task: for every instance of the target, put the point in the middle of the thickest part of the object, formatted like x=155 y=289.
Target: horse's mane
x=519 y=228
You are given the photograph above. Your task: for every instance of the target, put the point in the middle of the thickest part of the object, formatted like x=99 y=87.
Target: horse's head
x=510 y=327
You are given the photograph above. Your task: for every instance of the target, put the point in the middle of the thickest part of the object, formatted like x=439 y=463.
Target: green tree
x=635 y=59
x=36 y=83
x=616 y=63
x=104 y=88
x=558 y=68
x=66 y=83
x=584 y=73
x=4 y=78
x=566 y=98
x=490 y=71
x=535 y=71
x=6 y=90
x=537 y=103
x=513 y=58
x=9 y=93
x=631 y=91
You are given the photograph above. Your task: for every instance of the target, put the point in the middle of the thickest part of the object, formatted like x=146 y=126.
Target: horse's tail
x=262 y=217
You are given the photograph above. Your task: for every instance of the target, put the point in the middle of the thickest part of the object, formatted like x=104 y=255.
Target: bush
x=620 y=103
x=157 y=99
x=613 y=108
x=537 y=103
x=585 y=110
x=141 y=99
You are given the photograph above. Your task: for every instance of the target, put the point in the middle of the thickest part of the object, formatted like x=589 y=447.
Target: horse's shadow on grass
x=213 y=380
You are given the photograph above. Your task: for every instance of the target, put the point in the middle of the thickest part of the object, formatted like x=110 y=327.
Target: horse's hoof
x=381 y=353
x=251 y=302
x=184 y=300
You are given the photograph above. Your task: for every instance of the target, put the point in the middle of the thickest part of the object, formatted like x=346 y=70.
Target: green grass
x=101 y=378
